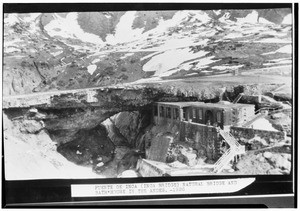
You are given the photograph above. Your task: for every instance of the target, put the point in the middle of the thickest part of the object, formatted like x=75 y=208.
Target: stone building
x=220 y=114
x=199 y=122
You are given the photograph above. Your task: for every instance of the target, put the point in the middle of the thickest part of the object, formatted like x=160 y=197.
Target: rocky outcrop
x=132 y=125
x=89 y=147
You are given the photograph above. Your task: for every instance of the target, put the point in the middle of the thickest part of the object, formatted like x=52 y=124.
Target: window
x=155 y=111
x=219 y=116
x=194 y=113
x=184 y=115
x=200 y=114
x=168 y=113
x=176 y=113
x=162 y=111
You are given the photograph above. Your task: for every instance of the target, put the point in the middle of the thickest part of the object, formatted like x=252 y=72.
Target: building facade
x=216 y=114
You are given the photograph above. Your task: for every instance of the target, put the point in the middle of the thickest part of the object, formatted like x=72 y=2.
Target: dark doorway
x=209 y=117
x=185 y=114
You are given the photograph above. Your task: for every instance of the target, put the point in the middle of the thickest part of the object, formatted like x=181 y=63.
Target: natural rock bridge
x=83 y=108
x=63 y=113
x=126 y=96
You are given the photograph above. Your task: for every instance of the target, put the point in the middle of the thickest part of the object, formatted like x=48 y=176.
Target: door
x=209 y=120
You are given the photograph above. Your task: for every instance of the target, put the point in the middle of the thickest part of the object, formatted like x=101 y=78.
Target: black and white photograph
x=149 y=92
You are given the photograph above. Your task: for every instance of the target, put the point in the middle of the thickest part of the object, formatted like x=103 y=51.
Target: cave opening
x=110 y=148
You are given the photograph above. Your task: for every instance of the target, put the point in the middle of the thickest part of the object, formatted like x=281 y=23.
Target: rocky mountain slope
x=52 y=51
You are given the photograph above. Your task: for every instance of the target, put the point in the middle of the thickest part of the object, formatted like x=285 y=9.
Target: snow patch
x=272 y=40
x=178 y=18
x=233 y=35
x=287 y=19
x=69 y=28
x=170 y=59
x=190 y=74
x=225 y=18
x=11 y=19
x=250 y=18
x=285 y=49
x=57 y=53
x=95 y=61
x=124 y=31
x=262 y=124
x=217 y=12
x=91 y=68
x=12 y=42
x=227 y=67
x=11 y=49
x=150 y=55
x=202 y=63
x=107 y=16
x=278 y=61
x=126 y=55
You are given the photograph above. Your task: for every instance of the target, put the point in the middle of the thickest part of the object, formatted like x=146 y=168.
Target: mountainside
x=52 y=51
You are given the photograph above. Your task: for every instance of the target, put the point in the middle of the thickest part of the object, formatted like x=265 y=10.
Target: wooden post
x=158 y=114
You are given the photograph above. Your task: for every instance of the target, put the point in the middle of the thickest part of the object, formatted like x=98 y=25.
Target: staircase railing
x=229 y=139
x=235 y=148
x=237 y=98
x=224 y=160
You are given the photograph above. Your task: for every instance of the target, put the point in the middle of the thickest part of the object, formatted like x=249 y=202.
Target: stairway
x=237 y=98
x=235 y=149
x=269 y=99
x=229 y=139
x=224 y=160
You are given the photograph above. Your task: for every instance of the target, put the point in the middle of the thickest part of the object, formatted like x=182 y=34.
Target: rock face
x=31 y=126
x=132 y=126
x=89 y=147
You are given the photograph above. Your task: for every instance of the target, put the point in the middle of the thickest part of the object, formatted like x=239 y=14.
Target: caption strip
x=161 y=188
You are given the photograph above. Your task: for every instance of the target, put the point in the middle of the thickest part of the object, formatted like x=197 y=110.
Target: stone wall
x=249 y=133
x=204 y=138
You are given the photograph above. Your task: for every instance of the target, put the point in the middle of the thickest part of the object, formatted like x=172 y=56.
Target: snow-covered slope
x=34 y=156
x=76 y=50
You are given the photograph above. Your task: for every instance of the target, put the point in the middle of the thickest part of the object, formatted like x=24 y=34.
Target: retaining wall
x=249 y=133
x=204 y=138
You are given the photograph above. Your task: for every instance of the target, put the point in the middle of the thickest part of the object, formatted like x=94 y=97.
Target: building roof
x=223 y=104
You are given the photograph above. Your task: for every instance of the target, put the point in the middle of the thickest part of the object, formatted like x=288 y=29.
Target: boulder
x=274 y=171
x=287 y=156
x=31 y=126
x=128 y=174
x=267 y=155
x=283 y=163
